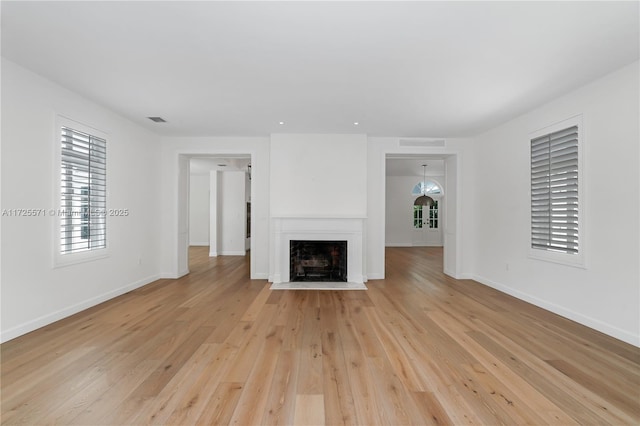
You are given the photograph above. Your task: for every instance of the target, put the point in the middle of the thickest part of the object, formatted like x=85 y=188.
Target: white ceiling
x=408 y=69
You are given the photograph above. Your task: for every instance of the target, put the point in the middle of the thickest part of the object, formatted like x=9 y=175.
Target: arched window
x=427 y=187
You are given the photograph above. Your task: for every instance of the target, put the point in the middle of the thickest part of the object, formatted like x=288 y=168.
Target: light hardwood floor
x=215 y=347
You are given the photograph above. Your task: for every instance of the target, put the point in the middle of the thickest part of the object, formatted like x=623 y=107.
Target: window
x=555 y=193
x=83 y=191
x=433 y=215
x=425 y=188
x=417 y=216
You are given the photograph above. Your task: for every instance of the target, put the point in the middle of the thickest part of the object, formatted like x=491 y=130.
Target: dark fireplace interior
x=318 y=261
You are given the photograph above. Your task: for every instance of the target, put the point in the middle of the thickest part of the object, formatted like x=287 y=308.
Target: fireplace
x=319 y=261
x=347 y=230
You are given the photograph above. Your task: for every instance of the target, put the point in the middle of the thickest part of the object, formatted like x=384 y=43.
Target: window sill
x=63 y=260
x=576 y=261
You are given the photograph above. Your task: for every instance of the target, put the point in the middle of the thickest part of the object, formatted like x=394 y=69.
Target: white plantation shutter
x=83 y=192
x=554 y=191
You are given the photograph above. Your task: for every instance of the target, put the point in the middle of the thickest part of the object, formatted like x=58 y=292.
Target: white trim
x=348 y=229
x=200 y=244
x=45 y=320
x=593 y=323
x=410 y=152
x=232 y=253
x=255 y=159
x=430 y=178
x=398 y=244
x=60 y=260
x=458 y=276
x=173 y=275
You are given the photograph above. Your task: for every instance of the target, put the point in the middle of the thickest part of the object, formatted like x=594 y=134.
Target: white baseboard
x=601 y=326
x=173 y=275
x=260 y=276
x=398 y=245
x=233 y=253
x=44 y=320
x=213 y=254
x=203 y=244
x=375 y=276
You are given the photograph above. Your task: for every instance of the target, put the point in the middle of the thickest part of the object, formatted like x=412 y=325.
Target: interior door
x=427 y=225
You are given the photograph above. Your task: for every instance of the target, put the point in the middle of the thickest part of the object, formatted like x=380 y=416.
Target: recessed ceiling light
x=355 y=123
x=157 y=119
x=281 y=123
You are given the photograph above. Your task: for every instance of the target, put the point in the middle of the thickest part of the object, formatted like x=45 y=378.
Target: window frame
x=65 y=259
x=431 y=194
x=570 y=259
x=434 y=216
x=418 y=217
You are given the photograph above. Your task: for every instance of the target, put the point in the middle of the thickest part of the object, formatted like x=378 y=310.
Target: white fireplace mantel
x=332 y=228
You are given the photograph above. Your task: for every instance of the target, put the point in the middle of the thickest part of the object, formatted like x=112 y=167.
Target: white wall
x=33 y=292
x=232 y=213
x=199 y=209
x=318 y=175
x=172 y=148
x=606 y=294
x=399 y=230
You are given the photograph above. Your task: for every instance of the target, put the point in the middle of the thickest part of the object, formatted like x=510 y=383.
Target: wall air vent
x=422 y=142
x=157 y=119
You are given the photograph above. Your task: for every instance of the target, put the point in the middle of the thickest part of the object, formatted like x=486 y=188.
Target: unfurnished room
x=320 y=213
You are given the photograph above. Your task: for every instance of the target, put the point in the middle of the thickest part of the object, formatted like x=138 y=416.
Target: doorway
x=407 y=225
x=204 y=169
x=427 y=209
x=219 y=200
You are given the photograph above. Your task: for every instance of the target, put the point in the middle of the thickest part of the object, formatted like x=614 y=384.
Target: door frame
x=451 y=235
x=181 y=248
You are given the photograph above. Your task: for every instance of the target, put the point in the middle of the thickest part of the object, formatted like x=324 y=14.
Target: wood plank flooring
x=421 y=348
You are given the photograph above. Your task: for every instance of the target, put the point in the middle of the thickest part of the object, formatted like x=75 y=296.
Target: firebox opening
x=318 y=261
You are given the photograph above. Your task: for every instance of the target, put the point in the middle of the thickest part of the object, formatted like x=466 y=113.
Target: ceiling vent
x=157 y=119
x=422 y=142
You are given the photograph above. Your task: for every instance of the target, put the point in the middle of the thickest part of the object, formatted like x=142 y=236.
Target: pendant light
x=424 y=200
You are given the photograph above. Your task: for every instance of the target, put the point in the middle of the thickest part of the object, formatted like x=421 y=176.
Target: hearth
x=314 y=260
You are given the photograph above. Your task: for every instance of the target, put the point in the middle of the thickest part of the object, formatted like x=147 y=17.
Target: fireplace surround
x=348 y=230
